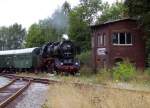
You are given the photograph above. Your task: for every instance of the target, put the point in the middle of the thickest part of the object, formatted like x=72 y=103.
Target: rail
x=12 y=90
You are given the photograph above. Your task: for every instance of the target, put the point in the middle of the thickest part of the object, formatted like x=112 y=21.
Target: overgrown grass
x=70 y=96
x=125 y=72
x=103 y=75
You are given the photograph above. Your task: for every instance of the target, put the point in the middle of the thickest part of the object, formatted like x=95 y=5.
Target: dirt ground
x=69 y=96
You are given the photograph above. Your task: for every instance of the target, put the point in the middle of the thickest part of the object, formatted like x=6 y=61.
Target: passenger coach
x=21 y=59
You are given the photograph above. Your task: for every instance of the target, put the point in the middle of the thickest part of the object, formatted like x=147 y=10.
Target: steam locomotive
x=58 y=57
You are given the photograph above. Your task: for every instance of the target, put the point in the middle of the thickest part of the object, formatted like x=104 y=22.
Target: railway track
x=10 y=91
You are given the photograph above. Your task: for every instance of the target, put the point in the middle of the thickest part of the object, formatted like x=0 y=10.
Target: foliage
x=34 y=37
x=116 y=11
x=124 y=71
x=80 y=19
x=12 y=37
x=38 y=35
x=140 y=9
x=85 y=58
x=89 y=9
x=79 y=31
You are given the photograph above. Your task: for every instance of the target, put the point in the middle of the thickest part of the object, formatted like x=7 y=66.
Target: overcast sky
x=27 y=12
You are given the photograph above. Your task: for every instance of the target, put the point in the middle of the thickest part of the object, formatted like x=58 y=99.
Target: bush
x=85 y=58
x=124 y=71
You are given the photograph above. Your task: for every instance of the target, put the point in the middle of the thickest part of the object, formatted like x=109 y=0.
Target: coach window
x=122 y=38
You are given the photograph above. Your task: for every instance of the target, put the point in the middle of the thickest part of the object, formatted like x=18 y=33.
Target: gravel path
x=3 y=81
x=34 y=97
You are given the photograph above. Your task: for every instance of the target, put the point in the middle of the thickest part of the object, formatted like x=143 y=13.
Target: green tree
x=140 y=9
x=80 y=19
x=35 y=36
x=90 y=9
x=116 y=11
x=79 y=30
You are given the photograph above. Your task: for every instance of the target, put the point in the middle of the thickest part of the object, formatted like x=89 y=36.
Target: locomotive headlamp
x=76 y=63
x=61 y=63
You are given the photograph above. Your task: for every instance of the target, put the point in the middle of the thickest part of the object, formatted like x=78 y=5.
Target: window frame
x=101 y=40
x=118 y=37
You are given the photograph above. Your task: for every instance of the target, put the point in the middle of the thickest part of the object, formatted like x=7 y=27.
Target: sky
x=27 y=12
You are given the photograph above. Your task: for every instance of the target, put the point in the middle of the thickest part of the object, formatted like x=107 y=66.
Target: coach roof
x=18 y=51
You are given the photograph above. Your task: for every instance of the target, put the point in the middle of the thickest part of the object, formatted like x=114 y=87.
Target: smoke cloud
x=60 y=20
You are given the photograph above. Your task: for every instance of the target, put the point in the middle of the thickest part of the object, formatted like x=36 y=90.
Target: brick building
x=117 y=40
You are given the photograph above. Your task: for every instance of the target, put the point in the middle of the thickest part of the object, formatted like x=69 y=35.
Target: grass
x=69 y=96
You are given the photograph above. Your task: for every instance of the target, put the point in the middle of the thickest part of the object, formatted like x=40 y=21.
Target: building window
x=122 y=38
x=104 y=38
x=101 y=40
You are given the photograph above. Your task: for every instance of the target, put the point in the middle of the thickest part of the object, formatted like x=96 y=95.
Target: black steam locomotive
x=52 y=57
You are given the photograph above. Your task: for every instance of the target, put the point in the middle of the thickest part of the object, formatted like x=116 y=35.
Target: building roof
x=17 y=51
x=113 y=21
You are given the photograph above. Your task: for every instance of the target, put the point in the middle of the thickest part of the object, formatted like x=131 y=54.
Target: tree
x=80 y=19
x=79 y=30
x=12 y=37
x=116 y=11
x=140 y=9
x=66 y=8
x=34 y=37
x=90 y=9
x=16 y=36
